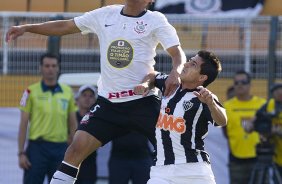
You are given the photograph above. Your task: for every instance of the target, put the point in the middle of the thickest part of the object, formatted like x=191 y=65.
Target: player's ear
x=203 y=78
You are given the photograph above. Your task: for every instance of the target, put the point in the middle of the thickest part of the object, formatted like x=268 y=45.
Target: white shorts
x=194 y=173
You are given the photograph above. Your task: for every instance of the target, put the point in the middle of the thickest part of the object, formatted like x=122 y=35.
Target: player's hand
x=204 y=95
x=142 y=89
x=24 y=163
x=14 y=32
x=171 y=83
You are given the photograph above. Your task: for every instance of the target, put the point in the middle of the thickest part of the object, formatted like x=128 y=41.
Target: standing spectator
x=128 y=36
x=130 y=160
x=48 y=115
x=241 y=110
x=183 y=122
x=85 y=98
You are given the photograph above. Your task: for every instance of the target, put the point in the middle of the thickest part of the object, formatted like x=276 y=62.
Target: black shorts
x=107 y=120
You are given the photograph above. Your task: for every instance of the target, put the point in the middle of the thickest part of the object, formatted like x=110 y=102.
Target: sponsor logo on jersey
x=24 y=97
x=140 y=27
x=121 y=94
x=120 y=54
x=171 y=123
x=187 y=105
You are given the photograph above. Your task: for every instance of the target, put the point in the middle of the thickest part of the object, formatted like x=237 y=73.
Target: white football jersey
x=127 y=46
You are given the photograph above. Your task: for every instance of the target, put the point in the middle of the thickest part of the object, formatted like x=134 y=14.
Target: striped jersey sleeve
x=160 y=81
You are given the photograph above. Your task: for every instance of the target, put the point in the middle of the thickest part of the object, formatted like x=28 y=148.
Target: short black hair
x=211 y=66
x=49 y=55
x=243 y=72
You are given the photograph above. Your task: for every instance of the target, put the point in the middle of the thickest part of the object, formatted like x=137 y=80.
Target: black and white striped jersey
x=182 y=126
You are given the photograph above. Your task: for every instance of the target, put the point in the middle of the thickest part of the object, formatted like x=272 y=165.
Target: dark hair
x=243 y=72
x=211 y=66
x=49 y=55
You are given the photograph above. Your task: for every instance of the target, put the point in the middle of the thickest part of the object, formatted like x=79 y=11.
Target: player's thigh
x=83 y=144
x=105 y=121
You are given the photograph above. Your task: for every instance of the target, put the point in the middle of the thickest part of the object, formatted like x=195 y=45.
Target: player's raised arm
x=50 y=28
x=146 y=85
x=218 y=113
x=178 y=59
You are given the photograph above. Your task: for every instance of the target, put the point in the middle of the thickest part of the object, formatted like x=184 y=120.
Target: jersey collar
x=54 y=89
x=140 y=15
x=187 y=90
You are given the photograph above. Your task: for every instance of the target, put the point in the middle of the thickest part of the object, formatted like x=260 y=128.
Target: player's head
x=146 y=3
x=49 y=66
x=211 y=66
x=201 y=69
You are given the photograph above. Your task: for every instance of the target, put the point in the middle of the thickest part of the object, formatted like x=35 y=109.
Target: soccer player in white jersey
x=183 y=122
x=128 y=36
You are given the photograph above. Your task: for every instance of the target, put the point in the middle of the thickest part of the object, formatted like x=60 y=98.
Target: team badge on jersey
x=187 y=105
x=140 y=27
x=24 y=97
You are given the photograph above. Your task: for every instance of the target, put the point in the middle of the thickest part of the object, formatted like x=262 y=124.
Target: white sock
x=62 y=178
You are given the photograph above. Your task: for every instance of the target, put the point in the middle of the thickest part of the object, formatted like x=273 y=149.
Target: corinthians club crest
x=187 y=105
x=140 y=27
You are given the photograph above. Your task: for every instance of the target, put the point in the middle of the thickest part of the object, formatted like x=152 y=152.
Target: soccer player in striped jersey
x=183 y=122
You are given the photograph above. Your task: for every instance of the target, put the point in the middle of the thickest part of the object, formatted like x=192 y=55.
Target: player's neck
x=133 y=9
x=189 y=85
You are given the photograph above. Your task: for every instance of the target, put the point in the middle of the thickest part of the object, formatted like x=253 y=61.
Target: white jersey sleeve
x=89 y=22
x=166 y=33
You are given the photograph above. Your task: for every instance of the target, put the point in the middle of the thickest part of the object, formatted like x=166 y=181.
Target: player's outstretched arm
x=50 y=28
x=178 y=59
